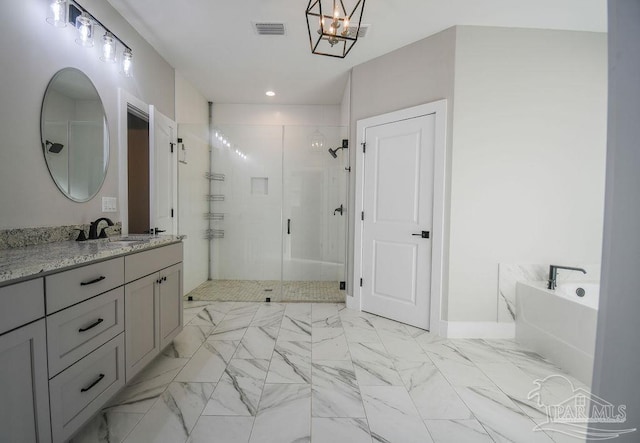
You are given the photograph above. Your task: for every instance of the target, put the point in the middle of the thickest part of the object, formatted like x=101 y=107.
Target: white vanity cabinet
x=24 y=394
x=153 y=304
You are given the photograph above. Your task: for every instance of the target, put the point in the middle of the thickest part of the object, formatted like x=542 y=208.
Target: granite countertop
x=30 y=261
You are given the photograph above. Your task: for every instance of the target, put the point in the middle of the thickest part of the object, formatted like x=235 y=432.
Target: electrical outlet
x=109 y=204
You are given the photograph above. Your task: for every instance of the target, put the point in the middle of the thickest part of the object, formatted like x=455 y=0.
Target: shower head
x=54 y=147
x=345 y=145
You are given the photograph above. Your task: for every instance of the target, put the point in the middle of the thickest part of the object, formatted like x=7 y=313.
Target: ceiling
x=213 y=44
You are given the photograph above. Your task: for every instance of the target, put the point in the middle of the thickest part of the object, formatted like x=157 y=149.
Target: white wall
x=617 y=355
x=32 y=52
x=192 y=116
x=529 y=136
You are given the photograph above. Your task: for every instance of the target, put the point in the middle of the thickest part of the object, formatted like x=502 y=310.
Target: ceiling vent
x=263 y=28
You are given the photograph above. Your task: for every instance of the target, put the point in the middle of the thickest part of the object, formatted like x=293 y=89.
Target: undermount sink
x=129 y=240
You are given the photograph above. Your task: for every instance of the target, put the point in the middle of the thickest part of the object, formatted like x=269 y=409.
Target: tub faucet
x=553 y=274
x=93 y=228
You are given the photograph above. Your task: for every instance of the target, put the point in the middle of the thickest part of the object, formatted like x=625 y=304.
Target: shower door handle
x=289 y=226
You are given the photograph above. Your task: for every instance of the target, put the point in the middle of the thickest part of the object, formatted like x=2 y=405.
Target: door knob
x=423 y=234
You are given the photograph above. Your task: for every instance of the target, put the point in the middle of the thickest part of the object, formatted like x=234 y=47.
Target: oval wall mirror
x=74 y=134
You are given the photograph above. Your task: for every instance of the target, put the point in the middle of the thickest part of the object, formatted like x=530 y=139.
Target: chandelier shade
x=334 y=26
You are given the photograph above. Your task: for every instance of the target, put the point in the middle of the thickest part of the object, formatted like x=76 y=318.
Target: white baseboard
x=470 y=329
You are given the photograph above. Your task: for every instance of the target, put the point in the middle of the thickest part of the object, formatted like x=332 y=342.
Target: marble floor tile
x=430 y=391
x=209 y=362
x=445 y=350
x=479 y=351
x=291 y=363
x=333 y=430
x=107 y=427
x=239 y=389
x=325 y=315
x=192 y=311
x=174 y=415
x=208 y=316
x=295 y=329
x=373 y=365
x=501 y=418
x=386 y=327
x=335 y=391
x=359 y=334
x=269 y=315
x=509 y=378
x=403 y=348
x=461 y=374
x=284 y=415
x=187 y=342
x=392 y=416
x=329 y=344
x=257 y=343
x=457 y=431
x=143 y=391
x=223 y=332
x=222 y=429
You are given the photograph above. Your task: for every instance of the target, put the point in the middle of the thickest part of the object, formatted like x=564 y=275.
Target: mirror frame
x=106 y=149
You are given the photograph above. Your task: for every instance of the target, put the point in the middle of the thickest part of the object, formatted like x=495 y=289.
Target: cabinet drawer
x=147 y=262
x=78 y=330
x=81 y=390
x=76 y=285
x=20 y=304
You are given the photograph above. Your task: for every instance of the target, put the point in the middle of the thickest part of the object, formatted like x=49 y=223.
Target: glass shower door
x=314 y=213
x=247 y=212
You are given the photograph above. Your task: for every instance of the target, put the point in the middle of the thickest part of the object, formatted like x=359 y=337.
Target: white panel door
x=398 y=219
x=164 y=173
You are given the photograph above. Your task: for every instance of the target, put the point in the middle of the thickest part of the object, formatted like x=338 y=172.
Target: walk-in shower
x=278 y=234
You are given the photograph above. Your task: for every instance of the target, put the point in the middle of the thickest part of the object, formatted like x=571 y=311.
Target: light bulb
x=108 y=48
x=127 y=60
x=58 y=16
x=85 y=30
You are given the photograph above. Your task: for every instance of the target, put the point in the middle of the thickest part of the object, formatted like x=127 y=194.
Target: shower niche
x=283 y=238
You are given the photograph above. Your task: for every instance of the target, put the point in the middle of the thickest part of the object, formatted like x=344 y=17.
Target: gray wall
x=617 y=357
x=418 y=73
x=525 y=147
x=32 y=51
x=528 y=157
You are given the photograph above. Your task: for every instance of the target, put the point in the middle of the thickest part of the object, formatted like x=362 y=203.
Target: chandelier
x=333 y=27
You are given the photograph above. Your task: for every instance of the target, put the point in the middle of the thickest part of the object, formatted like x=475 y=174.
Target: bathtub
x=560 y=324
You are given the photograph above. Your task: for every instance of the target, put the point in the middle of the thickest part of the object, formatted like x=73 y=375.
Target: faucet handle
x=103 y=233
x=81 y=235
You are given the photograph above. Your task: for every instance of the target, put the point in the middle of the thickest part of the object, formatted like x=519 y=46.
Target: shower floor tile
x=258 y=290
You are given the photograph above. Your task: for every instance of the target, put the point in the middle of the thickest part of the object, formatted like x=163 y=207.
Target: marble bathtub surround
x=18 y=238
x=209 y=387
x=510 y=274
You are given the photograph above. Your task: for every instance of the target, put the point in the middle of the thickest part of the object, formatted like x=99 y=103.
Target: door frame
x=126 y=99
x=439 y=109
x=154 y=116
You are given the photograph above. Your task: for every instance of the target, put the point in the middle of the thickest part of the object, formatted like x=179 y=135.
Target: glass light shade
x=84 y=24
x=127 y=62
x=108 y=48
x=317 y=140
x=58 y=17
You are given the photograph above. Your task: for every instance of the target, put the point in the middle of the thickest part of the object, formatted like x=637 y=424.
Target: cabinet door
x=24 y=391
x=170 y=303
x=142 y=332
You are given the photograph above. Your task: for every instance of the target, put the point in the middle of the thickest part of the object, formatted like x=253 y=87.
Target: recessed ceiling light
x=270 y=93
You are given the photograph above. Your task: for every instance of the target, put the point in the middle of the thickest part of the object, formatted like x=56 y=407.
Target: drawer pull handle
x=91 y=326
x=85 y=283
x=98 y=380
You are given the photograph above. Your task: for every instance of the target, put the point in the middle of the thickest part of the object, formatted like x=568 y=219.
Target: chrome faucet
x=553 y=274
x=93 y=228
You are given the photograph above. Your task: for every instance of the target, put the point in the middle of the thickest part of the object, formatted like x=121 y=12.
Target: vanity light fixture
x=270 y=94
x=127 y=57
x=334 y=26
x=58 y=17
x=84 y=24
x=70 y=11
x=108 y=48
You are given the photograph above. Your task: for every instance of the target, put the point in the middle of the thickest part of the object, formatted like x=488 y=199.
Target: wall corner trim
x=468 y=329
